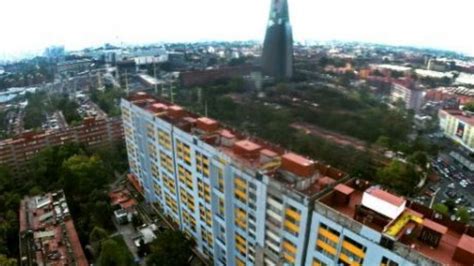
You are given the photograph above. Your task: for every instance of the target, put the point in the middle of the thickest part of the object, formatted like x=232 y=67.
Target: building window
x=351 y=252
x=388 y=262
x=327 y=241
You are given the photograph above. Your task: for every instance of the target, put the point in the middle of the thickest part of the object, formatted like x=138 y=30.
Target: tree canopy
x=469 y=107
x=170 y=248
x=399 y=176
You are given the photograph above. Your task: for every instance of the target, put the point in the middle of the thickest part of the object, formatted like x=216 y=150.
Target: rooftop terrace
x=395 y=218
x=295 y=171
x=47 y=232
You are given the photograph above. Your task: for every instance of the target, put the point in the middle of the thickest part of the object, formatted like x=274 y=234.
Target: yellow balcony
x=328 y=235
x=293 y=214
x=292 y=227
x=241 y=195
x=347 y=260
x=289 y=258
x=289 y=247
x=240 y=183
x=326 y=247
x=353 y=249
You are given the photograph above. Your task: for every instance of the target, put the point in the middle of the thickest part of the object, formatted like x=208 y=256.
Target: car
x=451 y=186
x=463 y=183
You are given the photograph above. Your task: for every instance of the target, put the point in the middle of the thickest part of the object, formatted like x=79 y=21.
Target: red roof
x=466 y=243
x=207 y=120
x=226 y=134
x=386 y=196
x=268 y=153
x=176 y=108
x=435 y=226
x=344 y=189
x=297 y=159
x=326 y=180
x=247 y=145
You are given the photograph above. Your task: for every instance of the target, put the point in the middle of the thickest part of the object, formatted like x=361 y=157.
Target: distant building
x=407 y=91
x=55 y=52
x=458 y=126
x=47 y=232
x=73 y=67
x=435 y=65
x=92 y=132
x=177 y=60
x=277 y=56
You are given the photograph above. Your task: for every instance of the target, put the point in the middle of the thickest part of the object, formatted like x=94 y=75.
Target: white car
x=463 y=183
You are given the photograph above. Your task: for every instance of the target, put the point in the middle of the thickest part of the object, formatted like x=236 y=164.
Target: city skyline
x=143 y=21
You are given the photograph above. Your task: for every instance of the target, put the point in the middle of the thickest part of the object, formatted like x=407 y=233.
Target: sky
x=32 y=25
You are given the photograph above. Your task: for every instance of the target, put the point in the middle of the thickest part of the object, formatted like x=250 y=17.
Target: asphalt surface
x=449 y=185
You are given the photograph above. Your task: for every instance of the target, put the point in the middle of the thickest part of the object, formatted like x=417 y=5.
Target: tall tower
x=277 y=57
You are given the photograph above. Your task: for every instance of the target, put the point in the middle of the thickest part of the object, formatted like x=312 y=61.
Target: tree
x=170 y=248
x=400 y=176
x=419 y=158
x=113 y=254
x=97 y=234
x=469 y=107
x=441 y=208
x=463 y=215
x=82 y=174
x=4 y=261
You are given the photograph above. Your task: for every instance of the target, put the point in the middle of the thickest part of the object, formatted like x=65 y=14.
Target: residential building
x=277 y=55
x=16 y=152
x=243 y=200
x=249 y=202
x=360 y=224
x=73 y=67
x=47 y=232
x=406 y=90
x=458 y=126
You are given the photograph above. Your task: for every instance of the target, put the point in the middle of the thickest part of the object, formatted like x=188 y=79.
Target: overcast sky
x=28 y=25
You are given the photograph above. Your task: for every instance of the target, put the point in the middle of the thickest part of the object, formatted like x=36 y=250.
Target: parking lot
x=455 y=183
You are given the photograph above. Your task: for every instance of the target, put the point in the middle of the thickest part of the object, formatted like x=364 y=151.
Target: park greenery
x=354 y=113
x=170 y=248
x=469 y=107
x=84 y=175
x=449 y=208
x=27 y=73
x=40 y=104
x=108 y=99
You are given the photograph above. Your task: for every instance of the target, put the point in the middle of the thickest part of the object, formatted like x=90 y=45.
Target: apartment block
x=361 y=224
x=92 y=132
x=458 y=126
x=246 y=201
x=47 y=232
x=406 y=90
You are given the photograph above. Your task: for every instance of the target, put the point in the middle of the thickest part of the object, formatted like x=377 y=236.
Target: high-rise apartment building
x=277 y=56
x=248 y=202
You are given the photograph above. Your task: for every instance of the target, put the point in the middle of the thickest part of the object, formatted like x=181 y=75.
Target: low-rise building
x=405 y=90
x=47 y=232
x=458 y=126
x=93 y=132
